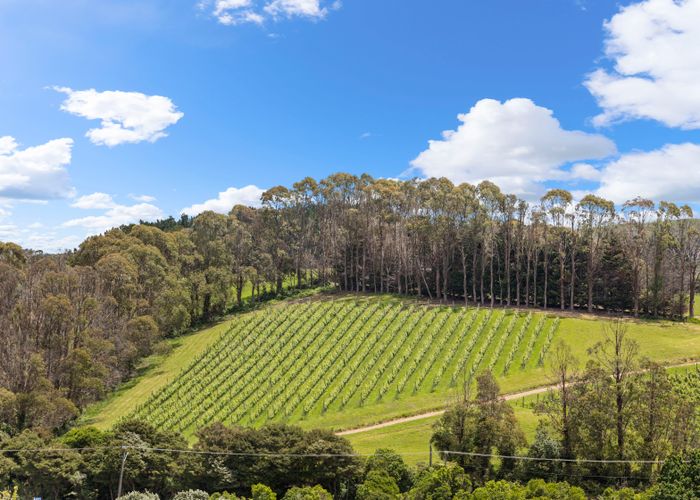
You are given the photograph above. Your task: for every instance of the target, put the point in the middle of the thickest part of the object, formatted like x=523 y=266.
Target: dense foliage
x=273 y=462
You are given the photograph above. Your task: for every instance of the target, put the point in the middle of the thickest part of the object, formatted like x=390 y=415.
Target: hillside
x=348 y=361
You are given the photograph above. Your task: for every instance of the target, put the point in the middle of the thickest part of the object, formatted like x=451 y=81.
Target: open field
x=356 y=360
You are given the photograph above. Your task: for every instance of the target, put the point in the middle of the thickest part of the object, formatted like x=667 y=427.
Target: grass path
x=437 y=413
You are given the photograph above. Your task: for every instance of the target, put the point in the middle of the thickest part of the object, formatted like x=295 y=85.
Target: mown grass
x=412 y=439
x=158 y=370
x=660 y=340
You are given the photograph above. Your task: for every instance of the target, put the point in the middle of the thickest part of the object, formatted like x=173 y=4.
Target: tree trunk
x=589 y=277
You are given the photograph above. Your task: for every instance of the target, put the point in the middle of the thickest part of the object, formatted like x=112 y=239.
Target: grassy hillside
x=412 y=439
x=346 y=362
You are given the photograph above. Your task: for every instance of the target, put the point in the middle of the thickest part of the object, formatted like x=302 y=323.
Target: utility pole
x=121 y=472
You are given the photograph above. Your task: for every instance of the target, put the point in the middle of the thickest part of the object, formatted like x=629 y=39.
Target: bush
x=262 y=492
x=438 y=483
x=390 y=462
x=137 y=495
x=192 y=495
x=9 y=494
x=307 y=493
x=378 y=486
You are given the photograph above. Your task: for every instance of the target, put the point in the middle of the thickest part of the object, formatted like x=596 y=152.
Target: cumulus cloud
x=248 y=195
x=94 y=201
x=143 y=197
x=669 y=173
x=35 y=173
x=126 y=117
x=585 y=171
x=515 y=144
x=232 y=12
x=114 y=216
x=656 y=65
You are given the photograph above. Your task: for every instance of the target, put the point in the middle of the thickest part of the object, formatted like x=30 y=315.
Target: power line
x=323 y=455
x=547 y=459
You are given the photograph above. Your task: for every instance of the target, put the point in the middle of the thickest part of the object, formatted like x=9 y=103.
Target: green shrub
x=192 y=495
x=137 y=495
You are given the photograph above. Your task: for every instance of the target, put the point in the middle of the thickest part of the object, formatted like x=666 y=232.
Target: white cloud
x=8 y=232
x=654 y=45
x=670 y=173
x=585 y=172
x=232 y=12
x=7 y=145
x=35 y=173
x=515 y=144
x=117 y=215
x=94 y=201
x=248 y=195
x=50 y=241
x=302 y=8
x=126 y=117
x=143 y=197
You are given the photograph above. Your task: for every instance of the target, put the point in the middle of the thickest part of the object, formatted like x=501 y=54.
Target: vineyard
x=322 y=357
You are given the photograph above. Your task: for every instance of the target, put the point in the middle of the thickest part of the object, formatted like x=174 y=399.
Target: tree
x=679 y=478
x=557 y=404
x=439 y=483
x=617 y=356
x=479 y=426
x=307 y=493
x=378 y=485
x=596 y=213
x=390 y=462
x=637 y=213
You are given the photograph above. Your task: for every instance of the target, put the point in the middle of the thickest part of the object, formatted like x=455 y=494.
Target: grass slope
x=358 y=360
x=412 y=439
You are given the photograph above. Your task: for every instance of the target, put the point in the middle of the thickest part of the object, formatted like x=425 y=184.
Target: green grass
x=411 y=440
x=357 y=360
x=156 y=372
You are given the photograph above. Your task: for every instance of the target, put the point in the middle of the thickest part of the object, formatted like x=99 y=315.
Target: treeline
x=278 y=461
x=430 y=237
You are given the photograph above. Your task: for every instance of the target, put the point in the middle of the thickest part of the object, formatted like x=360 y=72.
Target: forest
x=74 y=325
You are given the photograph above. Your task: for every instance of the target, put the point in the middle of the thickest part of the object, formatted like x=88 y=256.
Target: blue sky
x=117 y=110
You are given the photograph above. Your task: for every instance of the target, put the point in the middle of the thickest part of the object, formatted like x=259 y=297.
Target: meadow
x=343 y=362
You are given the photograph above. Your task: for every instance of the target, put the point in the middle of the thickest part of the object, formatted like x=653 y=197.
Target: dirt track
x=435 y=413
